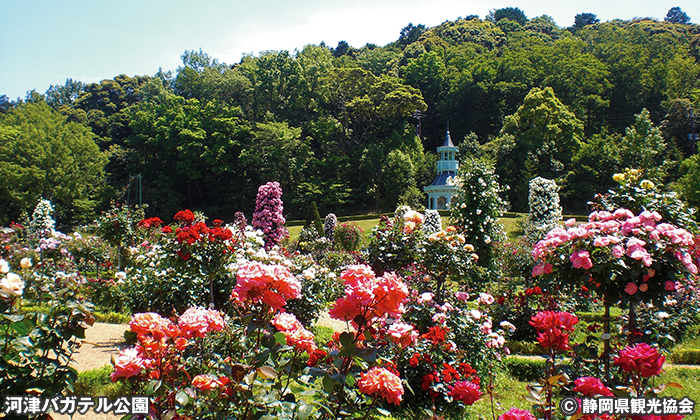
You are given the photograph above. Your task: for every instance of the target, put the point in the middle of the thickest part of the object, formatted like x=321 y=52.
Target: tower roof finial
x=448 y=139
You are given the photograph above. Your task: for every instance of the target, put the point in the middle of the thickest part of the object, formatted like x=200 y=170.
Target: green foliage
x=324 y=121
x=685 y=356
x=37 y=346
x=643 y=147
x=42 y=155
x=546 y=136
x=687 y=185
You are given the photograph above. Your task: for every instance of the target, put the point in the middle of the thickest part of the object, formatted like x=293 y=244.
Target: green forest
x=355 y=129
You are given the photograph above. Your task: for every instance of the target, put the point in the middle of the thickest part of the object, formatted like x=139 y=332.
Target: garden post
x=606 y=338
x=632 y=326
x=211 y=292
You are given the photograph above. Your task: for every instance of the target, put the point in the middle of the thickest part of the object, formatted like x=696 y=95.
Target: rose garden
x=444 y=316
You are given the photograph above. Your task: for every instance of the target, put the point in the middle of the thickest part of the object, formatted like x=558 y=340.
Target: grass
x=97 y=383
x=371 y=222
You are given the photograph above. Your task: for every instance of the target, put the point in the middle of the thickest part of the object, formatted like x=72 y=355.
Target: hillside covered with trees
x=355 y=129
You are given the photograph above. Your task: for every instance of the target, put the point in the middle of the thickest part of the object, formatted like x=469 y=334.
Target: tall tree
x=43 y=155
x=547 y=136
x=511 y=13
x=584 y=19
x=676 y=15
x=643 y=147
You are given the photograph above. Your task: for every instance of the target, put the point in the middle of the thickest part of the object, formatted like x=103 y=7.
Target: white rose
x=25 y=262
x=11 y=286
x=4 y=267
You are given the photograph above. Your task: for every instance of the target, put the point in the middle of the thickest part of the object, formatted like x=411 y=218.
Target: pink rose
x=631 y=288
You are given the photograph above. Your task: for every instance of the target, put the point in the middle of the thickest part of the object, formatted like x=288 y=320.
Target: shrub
x=313 y=219
x=525 y=369
x=432 y=222
x=348 y=236
x=37 y=346
x=685 y=356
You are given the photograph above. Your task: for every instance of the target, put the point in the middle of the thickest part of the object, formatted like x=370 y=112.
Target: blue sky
x=44 y=42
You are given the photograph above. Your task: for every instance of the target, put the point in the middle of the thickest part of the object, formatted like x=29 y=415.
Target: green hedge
x=685 y=356
x=106 y=317
x=524 y=369
x=525 y=347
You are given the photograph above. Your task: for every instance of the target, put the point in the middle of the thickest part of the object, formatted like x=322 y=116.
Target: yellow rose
x=646 y=184
x=618 y=177
x=25 y=263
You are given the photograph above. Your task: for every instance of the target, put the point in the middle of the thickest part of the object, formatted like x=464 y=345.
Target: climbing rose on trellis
x=329 y=225
x=545 y=212
x=268 y=214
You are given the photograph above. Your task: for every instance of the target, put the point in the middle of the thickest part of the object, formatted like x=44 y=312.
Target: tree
x=343 y=48
x=397 y=178
x=592 y=170
x=64 y=95
x=676 y=15
x=511 y=13
x=689 y=183
x=42 y=155
x=584 y=19
x=643 y=147
x=410 y=34
x=546 y=136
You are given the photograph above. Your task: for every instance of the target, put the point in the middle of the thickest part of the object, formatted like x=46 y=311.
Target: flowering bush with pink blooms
x=619 y=255
x=268 y=214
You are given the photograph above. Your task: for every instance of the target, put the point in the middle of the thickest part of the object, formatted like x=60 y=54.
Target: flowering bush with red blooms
x=186 y=217
x=518 y=307
x=152 y=222
x=159 y=357
x=175 y=268
x=297 y=336
x=622 y=256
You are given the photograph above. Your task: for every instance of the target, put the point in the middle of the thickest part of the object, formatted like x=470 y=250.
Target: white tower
x=441 y=190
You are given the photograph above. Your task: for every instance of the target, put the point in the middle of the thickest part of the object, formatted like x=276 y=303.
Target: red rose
x=641 y=358
x=517 y=414
x=591 y=387
x=184 y=216
x=466 y=392
x=554 y=339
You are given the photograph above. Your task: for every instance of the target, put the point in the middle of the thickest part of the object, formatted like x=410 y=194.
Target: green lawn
x=368 y=224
